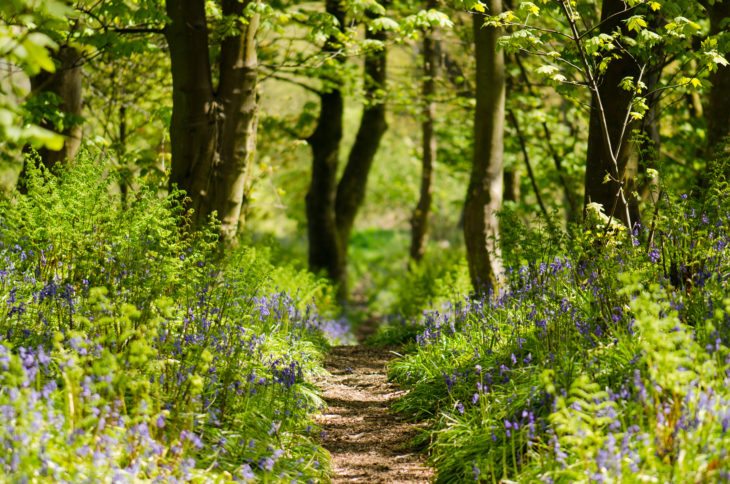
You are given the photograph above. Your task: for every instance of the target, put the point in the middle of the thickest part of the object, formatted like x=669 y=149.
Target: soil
x=368 y=442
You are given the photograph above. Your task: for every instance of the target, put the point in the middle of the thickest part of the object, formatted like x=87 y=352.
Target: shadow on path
x=367 y=442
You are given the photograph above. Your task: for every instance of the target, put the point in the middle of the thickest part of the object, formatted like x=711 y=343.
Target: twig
x=530 y=173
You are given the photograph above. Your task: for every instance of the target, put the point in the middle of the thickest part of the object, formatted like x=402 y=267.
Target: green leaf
x=384 y=24
x=529 y=8
x=636 y=23
x=547 y=70
x=627 y=83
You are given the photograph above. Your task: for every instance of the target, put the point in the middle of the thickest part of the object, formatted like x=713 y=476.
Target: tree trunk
x=484 y=194
x=511 y=185
x=212 y=132
x=237 y=98
x=616 y=102
x=325 y=253
x=419 y=219
x=650 y=148
x=194 y=123
x=124 y=172
x=352 y=185
x=66 y=84
x=718 y=106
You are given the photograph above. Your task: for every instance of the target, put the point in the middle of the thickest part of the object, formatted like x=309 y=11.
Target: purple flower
x=246 y=472
x=266 y=463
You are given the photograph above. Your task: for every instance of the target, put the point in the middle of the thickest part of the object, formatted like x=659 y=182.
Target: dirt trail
x=368 y=443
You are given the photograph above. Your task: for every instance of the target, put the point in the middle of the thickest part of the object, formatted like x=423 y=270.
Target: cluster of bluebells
x=79 y=364
x=42 y=437
x=648 y=322
x=284 y=309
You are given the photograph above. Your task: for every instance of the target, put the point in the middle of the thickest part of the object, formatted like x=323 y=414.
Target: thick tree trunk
x=325 y=252
x=212 y=132
x=194 y=123
x=484 y=194
x=422 y=212
x=237 y=98
x=352 y=185
x=718 y=105
x=66 y=84
x=615 y=102
x=324 y=243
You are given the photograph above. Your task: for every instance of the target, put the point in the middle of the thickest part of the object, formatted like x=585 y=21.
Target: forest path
x=367 y=442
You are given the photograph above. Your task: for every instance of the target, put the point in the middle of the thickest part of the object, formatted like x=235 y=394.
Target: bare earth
x=368 y=443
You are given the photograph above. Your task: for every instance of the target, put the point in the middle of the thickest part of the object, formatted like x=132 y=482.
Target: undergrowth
x=131 y=350
x=604 y=359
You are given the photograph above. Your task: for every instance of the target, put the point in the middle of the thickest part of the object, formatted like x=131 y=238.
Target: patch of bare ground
x=367 y=442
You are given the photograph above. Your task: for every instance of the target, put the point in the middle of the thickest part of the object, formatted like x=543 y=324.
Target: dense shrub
x=130 y=350
x=610 y=364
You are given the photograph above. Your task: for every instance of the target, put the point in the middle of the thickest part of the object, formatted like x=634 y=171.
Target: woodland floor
x=368 y=442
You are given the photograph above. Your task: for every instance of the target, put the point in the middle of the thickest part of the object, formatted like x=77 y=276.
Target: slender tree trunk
x=237 y=97
x=511 y=185
x=650 y=148
x=718 y=106
x=66 y=84
x=124 y=172
x=422 y=212
x=484 y=194
x=194 y=123
x=325 y=252
x=571 y=209
x=352 y=185
x=616 y=102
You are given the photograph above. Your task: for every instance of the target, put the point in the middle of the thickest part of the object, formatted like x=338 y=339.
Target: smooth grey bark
x=237 y=96
x=194 y=122
x=484 y=194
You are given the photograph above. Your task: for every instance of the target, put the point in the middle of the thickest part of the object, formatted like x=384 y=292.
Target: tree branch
x=301 y=84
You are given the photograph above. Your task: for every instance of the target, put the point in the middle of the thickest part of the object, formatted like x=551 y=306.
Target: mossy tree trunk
x=352 y=185
x=325 y=251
